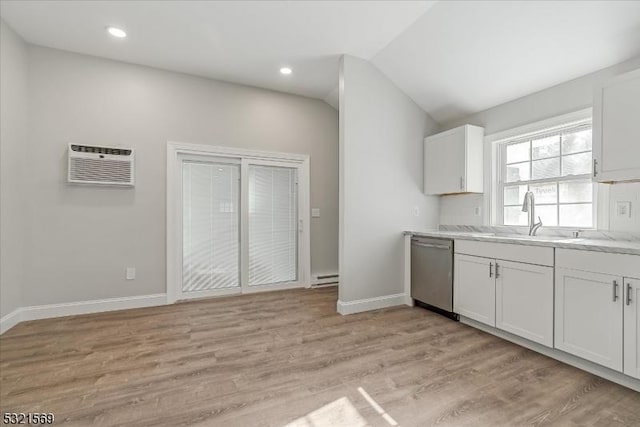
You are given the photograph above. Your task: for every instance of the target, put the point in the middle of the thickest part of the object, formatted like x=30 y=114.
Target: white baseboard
x=328 y=285
x=10 y=320
x=408 y=300
x=368 y=304
x=569 y=359
x=80 y=307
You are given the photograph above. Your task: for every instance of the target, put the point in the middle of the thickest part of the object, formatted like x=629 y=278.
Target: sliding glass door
x=273 y=225
x=240 y=226
x=210 y=226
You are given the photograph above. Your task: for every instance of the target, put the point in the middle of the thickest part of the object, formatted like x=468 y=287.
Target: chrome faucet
x=529 y=205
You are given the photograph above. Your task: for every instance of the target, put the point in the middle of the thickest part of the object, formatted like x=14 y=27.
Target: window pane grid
x=541 y=158
x=555 y=166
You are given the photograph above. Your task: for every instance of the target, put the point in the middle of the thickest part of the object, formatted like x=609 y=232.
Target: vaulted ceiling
x=452 y=57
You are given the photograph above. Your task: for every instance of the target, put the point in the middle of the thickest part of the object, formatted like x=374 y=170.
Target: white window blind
x=556 y=167
x=273 y=225
x=211 y=242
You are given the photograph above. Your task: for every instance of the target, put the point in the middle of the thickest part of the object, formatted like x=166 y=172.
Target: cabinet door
x=616 y=134
x=444 y=162
x=588 y=320
x=524 y=300
x=474 y=290
x=632 y=327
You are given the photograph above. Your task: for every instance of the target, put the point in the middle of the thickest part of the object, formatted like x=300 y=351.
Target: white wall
x=13 y=140
x=564 y=98
x=80 y=238
x=381 y=143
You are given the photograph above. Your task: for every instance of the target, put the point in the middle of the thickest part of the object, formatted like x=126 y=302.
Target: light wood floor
x=286 y=358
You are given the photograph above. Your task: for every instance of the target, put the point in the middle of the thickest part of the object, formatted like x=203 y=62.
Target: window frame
x=537 y=132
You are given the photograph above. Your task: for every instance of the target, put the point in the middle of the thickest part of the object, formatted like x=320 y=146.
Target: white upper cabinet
x=453 y=161
x=616 y=129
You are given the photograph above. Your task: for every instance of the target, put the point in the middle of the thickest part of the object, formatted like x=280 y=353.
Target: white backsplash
x=460 y=209
x=627 y=192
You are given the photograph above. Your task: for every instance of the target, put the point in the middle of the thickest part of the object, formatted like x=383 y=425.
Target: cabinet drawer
x=598 y=262
x=520 y=253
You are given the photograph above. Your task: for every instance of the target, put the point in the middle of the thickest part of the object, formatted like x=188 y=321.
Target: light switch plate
x=623 y=209
x=131 y=273
x=315 y=213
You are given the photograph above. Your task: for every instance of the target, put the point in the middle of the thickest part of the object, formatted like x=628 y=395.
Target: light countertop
x=598 y=245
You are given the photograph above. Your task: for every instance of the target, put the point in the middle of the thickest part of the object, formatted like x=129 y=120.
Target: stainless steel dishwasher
x=432 y=274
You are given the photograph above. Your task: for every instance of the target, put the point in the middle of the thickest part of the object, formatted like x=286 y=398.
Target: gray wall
x=381 y=145
x=564 y=98
x=13 y=139
x=79 y=238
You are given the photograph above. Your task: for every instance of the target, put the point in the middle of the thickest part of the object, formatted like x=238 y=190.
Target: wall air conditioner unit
x=89 y=164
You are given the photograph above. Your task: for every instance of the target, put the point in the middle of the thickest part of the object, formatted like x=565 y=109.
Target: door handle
x=462 y=183
x=615 y=290
x=497 y=273
x=490 y=269
x=429 y=245
x=629 y=289
x=595 y=167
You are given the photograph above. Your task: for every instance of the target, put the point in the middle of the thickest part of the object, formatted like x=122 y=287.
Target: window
x=556 y=167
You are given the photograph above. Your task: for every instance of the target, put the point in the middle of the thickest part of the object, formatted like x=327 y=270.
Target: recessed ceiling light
x=117 y=32
x=285 y=70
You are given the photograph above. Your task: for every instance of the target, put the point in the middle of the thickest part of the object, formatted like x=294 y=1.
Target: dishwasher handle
x=430 y=245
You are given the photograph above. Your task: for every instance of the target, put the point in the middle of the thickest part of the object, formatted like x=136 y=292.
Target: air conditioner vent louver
x=100 y=150
x=100 y=165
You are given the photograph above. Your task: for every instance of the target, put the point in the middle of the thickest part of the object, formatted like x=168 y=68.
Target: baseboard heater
x=325 y=280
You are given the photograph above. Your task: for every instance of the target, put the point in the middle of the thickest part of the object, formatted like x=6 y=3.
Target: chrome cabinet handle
x=629 y=289
x=615 y=290
x=490 y=269
x=497 y=273
x=461 y=183
x=595 y=167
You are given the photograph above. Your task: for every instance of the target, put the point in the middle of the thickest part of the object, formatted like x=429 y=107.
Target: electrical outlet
x=315 y=213
x=416 y=211
x=131 y=273
x=477 y=211
x=623 y=209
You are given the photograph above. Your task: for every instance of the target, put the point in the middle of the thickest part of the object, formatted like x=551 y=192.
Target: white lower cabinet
x=594 y=315
x=474 y=290
x=512 y=296
x=588 y=321
x=632 y=327
x=524 y=300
